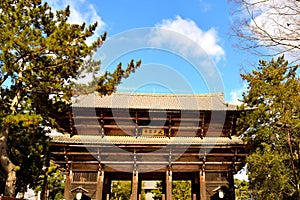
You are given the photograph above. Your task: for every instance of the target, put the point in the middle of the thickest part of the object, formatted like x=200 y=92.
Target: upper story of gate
x=159 y=115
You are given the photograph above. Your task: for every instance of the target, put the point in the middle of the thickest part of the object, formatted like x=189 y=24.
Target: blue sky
x=206 y=22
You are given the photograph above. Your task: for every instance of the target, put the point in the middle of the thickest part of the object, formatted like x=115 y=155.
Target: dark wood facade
x=150 y=137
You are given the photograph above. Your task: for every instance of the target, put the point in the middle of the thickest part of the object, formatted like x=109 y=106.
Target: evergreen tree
x=181 y=189
x=157 y=193
x=270 y=127
x=121 y=190
x=55 y=182
x=241 y=189
x=40 y=56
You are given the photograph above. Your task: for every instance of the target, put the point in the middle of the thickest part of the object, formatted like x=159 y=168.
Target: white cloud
x=236 y=95
x=242 y=174
x=81 y=11
x=207 y=40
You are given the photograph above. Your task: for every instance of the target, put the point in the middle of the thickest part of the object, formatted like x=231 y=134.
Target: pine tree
x=40 y=56
x=271 y=129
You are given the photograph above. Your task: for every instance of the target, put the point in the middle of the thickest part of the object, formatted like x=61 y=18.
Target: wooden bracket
x=170 y=127
x=231 y=127
x=67 y=160
x=234 y=160
x=72 y=126
x=102 y=130
x=135 y=169
x=98 y=155
x=202 y=127
x=136 y=125
x=203 y=163
x=100 y=169
x=170 y=163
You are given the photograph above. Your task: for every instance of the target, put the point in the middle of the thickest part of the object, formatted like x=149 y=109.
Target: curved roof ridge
x=220 y=94
x=209 y=101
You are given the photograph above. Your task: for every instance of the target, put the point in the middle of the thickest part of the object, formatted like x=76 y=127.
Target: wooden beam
x=128 y=162
x=212 y=128
x=139 y=118
x=149 y=154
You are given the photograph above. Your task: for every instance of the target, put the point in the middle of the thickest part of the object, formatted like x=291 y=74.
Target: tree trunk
x=293 y=164
x=45 y=181
x=7 y=165
x=45 y=184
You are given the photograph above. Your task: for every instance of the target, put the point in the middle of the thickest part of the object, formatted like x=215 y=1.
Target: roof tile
x=154 y=101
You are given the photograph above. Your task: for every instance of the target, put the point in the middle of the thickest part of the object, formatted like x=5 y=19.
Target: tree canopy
x=181 y=189
x=55 y=182
x=268 y=28
x=241 y=189
x=41 y=55
x=121 y=190
x=270 y=127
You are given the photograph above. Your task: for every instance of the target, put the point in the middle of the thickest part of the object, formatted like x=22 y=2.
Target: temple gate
x=141 y=137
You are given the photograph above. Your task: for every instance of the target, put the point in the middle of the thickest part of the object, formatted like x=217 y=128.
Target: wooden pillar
x=140 y=188
x=202 y=185
x=169 y=184
x=106 y=186
x=231 y=184
x=100 y=180
x=67 y=190
x=134 y=186
x=194 y=196
x=195 y=187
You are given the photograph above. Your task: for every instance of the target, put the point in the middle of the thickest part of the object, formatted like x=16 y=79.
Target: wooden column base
x=100 y=180
x=202 y=185
x=67 y=190
x=134 y=186
x=168 y=185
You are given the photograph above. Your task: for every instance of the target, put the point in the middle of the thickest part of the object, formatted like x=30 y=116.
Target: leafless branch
x=268 y=27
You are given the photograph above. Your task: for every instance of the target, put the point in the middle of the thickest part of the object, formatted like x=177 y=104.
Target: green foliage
x=28 y=146
x=241 y=189
x=107 y=83
x=41 y=54
x=121 y=190
x=181 y=189
x=55 y=183
x=270 y=174
x=270 y=128
x=157 y=193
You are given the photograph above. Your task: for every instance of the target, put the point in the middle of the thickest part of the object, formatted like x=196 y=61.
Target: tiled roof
x=154 y=101
x=132 y=140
